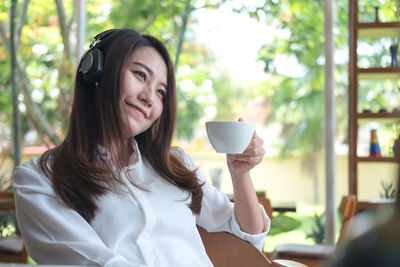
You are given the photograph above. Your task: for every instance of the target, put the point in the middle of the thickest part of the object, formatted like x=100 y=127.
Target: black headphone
x=92 y=62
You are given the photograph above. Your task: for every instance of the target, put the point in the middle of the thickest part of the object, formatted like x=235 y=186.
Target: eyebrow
x=148 y=70
x=144 y=66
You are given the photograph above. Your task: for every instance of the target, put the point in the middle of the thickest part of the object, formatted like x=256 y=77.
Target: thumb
x=241 y=119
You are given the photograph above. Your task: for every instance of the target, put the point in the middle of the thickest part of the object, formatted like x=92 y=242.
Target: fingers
x=254 y=150
x=253 y=154
x=249 y=155
x=252 y=160
x=256 y=146
x=240 y=164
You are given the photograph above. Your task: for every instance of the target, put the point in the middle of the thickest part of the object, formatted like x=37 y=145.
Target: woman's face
x=143 y=88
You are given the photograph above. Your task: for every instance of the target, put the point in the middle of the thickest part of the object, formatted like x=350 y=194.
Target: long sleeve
x=52 y=232
x=133 y=227
x=217 y=212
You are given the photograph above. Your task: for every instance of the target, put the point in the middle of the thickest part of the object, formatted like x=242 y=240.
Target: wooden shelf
x=373 y=205
x=377 y=159
x=379 y=73
x=357 y=31
x=378 y=30
x=379 y=115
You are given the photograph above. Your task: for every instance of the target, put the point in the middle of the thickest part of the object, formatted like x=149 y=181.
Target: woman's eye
x=141 y=74
x=162 y=93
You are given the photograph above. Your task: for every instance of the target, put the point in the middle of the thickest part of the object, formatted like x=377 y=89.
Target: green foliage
x=297 y=103
x=226 y=94
x=51 y=73
x=318 y=231
x=7 y=224
x=158 y=17
x=198 y=87
x=189 y=111
x=261 y=193
x=388 y=191
x=282 y=223
x=5 y=93
x=389 y=10
x=202 y=84
x=40 y=54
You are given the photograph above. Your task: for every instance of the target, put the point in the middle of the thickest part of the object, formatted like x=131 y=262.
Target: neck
x=122 y=154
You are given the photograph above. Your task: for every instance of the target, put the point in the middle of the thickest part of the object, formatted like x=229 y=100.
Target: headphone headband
x=99 y=37
x=92 y=63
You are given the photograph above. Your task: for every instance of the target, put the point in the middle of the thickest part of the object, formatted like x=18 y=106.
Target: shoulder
x=30 y=174
x=178 y=152
x=184 y=157
x=30 y=166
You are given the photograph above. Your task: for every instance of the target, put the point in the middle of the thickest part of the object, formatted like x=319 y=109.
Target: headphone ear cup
x=92 y=66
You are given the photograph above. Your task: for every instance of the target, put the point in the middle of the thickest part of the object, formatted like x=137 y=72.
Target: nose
x=146 y=96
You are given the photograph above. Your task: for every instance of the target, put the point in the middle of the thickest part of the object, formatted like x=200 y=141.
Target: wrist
x=235 y=175
x=242 y=180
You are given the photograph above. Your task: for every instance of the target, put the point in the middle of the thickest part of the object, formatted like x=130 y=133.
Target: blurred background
x=262 y=60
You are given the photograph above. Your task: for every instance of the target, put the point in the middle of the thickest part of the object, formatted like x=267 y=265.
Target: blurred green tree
x=296 y=100
x=46 y=56
x=171 y=21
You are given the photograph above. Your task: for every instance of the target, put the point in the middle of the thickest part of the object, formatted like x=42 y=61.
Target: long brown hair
x=79 y=171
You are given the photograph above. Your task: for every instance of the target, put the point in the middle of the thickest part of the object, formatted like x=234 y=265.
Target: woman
x=114 y=192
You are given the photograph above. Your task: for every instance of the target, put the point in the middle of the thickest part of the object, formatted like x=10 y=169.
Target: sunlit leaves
x=199 y=83
x=298 y=102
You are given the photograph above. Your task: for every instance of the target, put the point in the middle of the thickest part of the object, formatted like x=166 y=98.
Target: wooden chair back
x=12 y=249
x=267 y=206
x=348 y=209
x=317 y=255
x=266 y=203
x=227 y=250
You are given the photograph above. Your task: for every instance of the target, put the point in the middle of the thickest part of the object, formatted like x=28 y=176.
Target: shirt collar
x=135 y=157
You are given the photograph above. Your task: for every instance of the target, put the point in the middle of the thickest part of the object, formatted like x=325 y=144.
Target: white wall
x=286 y=181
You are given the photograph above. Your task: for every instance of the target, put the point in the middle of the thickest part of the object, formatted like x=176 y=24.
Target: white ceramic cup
x=231 y=137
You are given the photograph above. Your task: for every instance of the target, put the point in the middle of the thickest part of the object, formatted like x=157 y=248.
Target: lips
x=137 y=108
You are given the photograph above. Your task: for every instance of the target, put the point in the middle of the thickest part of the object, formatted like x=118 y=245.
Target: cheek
x=160 y=111
x=123 y=114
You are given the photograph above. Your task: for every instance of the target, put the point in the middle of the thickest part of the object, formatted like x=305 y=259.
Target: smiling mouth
x=138 y=109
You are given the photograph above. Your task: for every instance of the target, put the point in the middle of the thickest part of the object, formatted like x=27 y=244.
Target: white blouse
x=136 y=227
